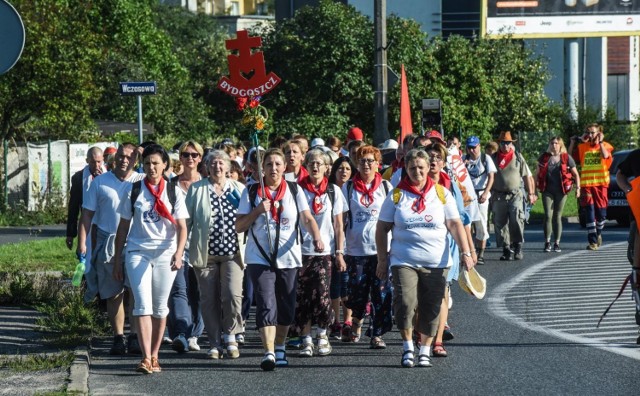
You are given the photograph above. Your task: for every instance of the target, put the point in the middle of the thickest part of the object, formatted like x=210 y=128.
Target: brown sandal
x=155 y=366
x=377 y=343
x=145 y=366
x=438 y=350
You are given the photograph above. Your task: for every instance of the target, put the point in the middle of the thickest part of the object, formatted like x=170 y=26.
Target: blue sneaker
x=180 y=344
x=294 y=343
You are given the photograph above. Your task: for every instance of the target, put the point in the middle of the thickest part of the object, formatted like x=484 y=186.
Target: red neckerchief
x=361 y=187
x=419 y=204
x=303 y=174
x=504 y=159
x=275 y=202
x=158 y=205
x=397 y=164
x=308 y=185
x=445 y=180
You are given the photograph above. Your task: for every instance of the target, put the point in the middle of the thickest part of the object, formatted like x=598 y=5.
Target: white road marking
x=568 y=294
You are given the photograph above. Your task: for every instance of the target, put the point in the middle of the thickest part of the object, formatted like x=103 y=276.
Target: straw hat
x=505 y=136
x=471 y=282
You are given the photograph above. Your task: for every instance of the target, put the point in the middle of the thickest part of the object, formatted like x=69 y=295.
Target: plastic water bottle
x=77 y=276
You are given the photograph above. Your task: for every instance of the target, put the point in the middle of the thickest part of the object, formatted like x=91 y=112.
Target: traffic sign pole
x=139 y=119
x=138 y=88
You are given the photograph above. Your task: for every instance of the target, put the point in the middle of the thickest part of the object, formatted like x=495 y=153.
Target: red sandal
x=438 y=350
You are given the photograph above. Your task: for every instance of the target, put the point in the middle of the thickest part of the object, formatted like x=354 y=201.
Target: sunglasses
x=505 y=143
x=187 y=155
x=366 y=161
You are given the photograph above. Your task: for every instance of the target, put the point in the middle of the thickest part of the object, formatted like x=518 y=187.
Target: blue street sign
x=138 y=88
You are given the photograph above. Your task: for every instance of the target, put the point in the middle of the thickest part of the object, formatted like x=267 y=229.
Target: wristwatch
x=468 y=254
x=340 y=252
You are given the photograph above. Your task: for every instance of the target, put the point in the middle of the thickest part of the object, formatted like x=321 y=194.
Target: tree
x=76 y=52
x=52 y=86
x=324 y=56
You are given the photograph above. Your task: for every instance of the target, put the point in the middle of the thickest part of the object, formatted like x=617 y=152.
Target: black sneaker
x=119 y=345
x=556 y=248
x=133 y=346
x=547 y=247
x=506 y=255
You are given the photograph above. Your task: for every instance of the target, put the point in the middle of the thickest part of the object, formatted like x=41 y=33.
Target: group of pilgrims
x=315 y=238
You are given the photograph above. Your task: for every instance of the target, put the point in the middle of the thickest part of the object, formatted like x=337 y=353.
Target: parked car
x=618 y=208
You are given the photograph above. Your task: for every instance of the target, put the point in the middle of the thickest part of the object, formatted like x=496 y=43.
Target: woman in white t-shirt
x=364 y=195
x=314 y=277
x=419 y=213
x=275 y=215
x=155 y=231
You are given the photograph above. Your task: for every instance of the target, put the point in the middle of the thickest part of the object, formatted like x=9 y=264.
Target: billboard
x=560 y=18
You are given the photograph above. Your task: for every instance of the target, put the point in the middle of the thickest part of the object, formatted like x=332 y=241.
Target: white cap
x=317 y=142
x=389 y=144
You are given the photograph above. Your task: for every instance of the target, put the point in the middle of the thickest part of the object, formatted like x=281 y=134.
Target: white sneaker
x=193 y=344
x=324 y=347
x=214 y=353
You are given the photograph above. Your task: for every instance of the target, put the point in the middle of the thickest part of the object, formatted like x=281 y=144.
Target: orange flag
x=405 y=109
x=634 y=200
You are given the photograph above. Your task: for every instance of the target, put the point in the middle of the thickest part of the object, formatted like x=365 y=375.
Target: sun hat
x=317 y=142
x=434 y=135
x=471 y=282
x=389 y=144
x=473 y=141
x=505 y=136
x=355 y=133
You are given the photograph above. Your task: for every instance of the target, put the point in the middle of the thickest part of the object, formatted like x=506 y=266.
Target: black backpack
x=171 y=192
x=253 y=194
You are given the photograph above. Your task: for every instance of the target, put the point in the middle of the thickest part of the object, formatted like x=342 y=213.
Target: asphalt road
x=500 y=348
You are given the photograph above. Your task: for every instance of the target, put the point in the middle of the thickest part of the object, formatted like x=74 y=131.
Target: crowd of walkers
x=317 y=235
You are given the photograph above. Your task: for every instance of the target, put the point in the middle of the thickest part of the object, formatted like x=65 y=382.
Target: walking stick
x=256 y=145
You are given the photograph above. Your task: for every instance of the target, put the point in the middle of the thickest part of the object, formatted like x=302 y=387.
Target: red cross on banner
x=247 y=74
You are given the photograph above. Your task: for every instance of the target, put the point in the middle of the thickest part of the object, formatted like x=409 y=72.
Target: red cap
x=110 y=150
x=433 y=134
x=355 y=133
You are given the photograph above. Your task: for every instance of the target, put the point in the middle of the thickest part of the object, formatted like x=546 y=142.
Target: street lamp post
x=381 y=133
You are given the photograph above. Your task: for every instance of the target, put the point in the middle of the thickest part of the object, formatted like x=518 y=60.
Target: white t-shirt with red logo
x=289 y=248
x=360 y=234
x=150 y=231
x=323 y=219
x=419 y=239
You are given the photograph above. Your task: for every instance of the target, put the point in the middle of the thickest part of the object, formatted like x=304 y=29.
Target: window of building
x=618 y=94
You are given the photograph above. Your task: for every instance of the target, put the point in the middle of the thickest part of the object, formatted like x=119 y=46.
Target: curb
x=79 y=372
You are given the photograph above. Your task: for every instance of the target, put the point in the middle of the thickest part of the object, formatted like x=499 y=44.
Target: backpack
x=253 y=194
x=171 y=192
x=483 y=159
x=397 y=194
x=385 y=185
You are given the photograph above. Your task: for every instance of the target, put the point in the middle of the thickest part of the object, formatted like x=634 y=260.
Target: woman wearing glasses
x=365 y=194
x=419 y=213
x=185 y=321
x=327 y=206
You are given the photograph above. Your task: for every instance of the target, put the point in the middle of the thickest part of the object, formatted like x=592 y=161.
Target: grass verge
x=48 y=254
x=37 y=362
